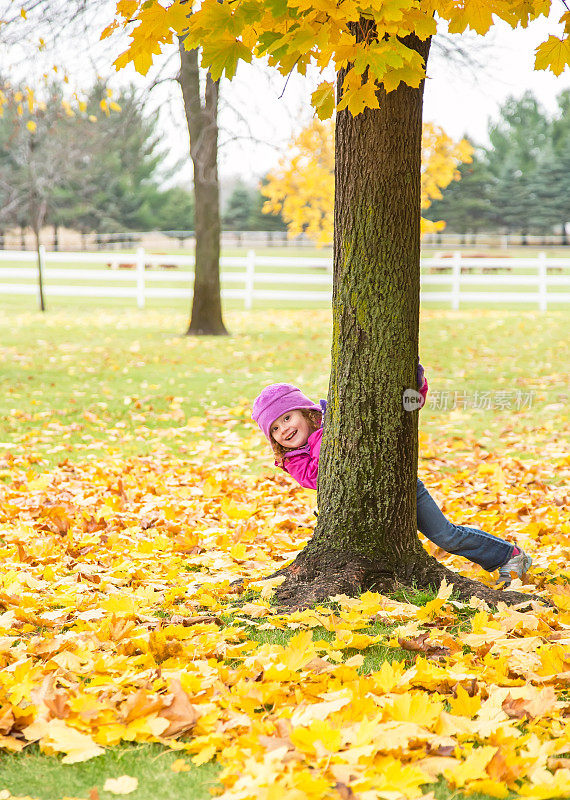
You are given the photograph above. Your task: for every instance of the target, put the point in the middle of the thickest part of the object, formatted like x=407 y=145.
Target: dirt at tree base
x=316 y=577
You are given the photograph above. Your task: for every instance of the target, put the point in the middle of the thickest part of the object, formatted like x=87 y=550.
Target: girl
x=293 y=424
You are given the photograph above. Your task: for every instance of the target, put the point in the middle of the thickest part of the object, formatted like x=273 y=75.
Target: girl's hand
x=420 y=376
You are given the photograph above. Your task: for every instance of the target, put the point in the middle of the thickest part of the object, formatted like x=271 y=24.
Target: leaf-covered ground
x=119 y=622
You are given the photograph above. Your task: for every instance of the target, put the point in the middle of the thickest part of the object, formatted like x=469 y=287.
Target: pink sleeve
x=423 y=392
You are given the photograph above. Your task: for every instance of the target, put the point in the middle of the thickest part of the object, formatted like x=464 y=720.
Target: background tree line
x=519 y=183
x=96 y=170
x=91 y=171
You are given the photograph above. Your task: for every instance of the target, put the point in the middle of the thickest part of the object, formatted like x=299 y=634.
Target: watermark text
x=498 y=400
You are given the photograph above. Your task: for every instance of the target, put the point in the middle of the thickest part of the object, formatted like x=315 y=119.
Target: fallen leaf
x=123 y=785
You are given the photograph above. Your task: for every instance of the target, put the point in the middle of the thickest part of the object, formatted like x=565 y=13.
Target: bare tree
x=202 y=120
x=36 y=158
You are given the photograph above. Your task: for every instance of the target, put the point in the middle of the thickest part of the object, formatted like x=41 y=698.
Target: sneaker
x=516 y=566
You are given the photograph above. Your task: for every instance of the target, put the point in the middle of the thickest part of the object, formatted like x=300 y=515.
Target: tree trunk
x=206 y=316
x=366 y=533
x=40 y=268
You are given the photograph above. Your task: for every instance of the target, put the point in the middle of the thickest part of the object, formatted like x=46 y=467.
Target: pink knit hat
x=277 y=399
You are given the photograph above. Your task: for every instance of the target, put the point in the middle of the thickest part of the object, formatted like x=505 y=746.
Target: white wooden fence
x=131 y=275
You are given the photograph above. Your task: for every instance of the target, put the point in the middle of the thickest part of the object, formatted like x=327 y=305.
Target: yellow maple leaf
x=472 y=768
x=357 y=98
x=557 y=786
x=414 y=707
x=360 y=641
x=319 y=737
x=463 y=704
x=490 y=787
x=179 y=765
x=57 y=737
x=127 y=8
x=393 y=776
x=322 y=100
x=475 y=14
x=238 y=511
x=554 y=54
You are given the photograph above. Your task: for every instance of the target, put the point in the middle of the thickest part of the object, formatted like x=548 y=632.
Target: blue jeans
x=484 y=549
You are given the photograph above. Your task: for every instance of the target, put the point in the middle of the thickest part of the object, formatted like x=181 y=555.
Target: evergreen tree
x=114 y=185
x=550 y=196
x=465 y=204
x=174 y=210
x=561 y=165
x=517 y=140
x=238 y=209
x=520 y=182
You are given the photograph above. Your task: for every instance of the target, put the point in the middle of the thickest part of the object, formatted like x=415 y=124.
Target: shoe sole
x=503 y=582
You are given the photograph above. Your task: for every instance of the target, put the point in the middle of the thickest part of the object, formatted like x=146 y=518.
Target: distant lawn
x=78 y=379
x=33 y=774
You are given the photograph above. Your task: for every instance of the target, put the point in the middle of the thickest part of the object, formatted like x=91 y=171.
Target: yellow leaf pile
x=119 y=622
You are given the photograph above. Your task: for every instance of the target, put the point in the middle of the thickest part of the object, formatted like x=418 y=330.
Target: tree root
x=314 y=578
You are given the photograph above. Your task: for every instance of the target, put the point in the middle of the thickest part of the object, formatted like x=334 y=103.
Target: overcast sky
x=461 y=100
x=261 y=110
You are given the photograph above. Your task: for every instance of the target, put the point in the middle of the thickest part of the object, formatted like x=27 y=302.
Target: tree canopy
x=294 y=34
x=366 y=533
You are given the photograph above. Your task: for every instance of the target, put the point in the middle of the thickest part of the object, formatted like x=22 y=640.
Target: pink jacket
x=303 y=463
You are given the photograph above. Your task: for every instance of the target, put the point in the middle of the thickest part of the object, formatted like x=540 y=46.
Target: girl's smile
x=291 y=429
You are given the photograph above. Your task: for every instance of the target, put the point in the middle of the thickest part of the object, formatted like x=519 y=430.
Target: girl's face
x=291 y=429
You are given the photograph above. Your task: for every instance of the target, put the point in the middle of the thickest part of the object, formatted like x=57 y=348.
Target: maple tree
x=366 y=534
x=302 y=186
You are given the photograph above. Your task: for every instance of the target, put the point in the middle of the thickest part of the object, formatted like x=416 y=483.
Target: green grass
x=78 y=381
x=33 y=774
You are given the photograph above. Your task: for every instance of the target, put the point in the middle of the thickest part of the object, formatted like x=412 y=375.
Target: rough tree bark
x=366 y=533
x=201 y=116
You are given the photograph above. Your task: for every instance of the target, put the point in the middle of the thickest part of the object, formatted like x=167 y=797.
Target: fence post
x=140 y=276
x=455 y=280
x=542 y=288
x=249 y=279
